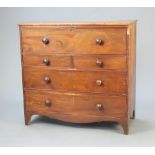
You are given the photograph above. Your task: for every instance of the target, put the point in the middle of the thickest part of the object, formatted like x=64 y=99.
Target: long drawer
x=48 y=40
x=88 y=104
x=108 y=82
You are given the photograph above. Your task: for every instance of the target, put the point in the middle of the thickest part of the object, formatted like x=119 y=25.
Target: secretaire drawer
x=48 y=101
x=47 y=40
x=96 y=81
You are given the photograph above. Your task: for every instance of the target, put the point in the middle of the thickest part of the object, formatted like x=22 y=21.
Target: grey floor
x=47 y=132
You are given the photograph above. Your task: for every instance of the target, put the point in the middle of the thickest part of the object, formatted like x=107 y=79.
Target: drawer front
x=47 y=102
x=79 y=62
x=56 y=61
x=101 y=62
x=58 y=40
x=96 y=81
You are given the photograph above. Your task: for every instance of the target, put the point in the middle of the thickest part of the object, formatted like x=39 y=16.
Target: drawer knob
x=99 y=62
x=98 y=82
x=47 y=79
x=99 y=106
x=48 y=103
x=99 y=42
x=46 y=61
x=45 y=40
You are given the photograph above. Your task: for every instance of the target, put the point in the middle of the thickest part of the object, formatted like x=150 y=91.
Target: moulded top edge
x=113 y=23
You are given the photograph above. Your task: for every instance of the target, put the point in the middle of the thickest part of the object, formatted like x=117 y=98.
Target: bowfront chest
x=79 y=73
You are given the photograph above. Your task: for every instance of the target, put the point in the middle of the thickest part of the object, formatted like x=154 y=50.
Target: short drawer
x=46 y=102
x=101 y=62
x=96 y=81
x=56 y=61
x=48 y=40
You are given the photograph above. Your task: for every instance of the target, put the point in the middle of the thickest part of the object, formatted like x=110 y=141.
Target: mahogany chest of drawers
x=79 y=73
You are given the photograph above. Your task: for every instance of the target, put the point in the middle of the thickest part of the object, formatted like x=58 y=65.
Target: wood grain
x=55 y=61
x=74 y=40
x=85 y=81
x=114 y=62
x=131 y=68
x=80 y=104
x=72 y=53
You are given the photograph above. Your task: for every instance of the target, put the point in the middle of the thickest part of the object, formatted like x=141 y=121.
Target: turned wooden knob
x=99 y=106
x=47 y=103
x=45 y=40
x=99 y=42
x=47 y=79
x=46 y=61
x=98 y=82
x=99 y=62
